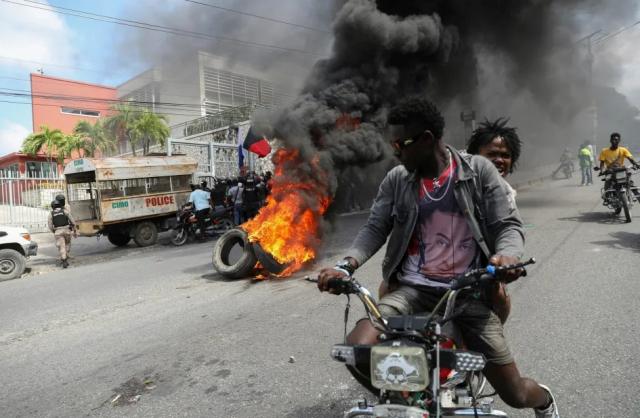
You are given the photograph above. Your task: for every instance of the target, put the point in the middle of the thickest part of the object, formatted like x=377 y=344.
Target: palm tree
x=77 y=143
x=149 y=128
x=48 y=140
x=119 y=125
x=95 y=138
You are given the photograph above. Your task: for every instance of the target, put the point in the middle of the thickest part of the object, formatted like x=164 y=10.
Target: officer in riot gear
x=62 y=225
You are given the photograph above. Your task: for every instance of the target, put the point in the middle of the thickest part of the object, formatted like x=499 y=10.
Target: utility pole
x=594 y=105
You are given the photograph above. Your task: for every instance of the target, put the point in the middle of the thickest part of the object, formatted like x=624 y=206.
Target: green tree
x=119 y=125
x=148 y=129
x=50 y=141
x=92 y=138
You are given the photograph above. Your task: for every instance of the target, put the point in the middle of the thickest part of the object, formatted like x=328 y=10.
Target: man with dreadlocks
x=501 y=145
x=442 y=213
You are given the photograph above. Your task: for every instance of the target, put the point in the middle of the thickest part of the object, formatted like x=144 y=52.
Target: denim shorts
x=480 y=327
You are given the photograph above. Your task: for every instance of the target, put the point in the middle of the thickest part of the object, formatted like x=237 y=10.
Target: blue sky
x=63 y=46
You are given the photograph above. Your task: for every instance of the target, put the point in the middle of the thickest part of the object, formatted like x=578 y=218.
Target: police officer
x=61 y=223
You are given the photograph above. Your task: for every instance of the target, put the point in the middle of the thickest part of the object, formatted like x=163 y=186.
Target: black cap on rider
x=55 y=203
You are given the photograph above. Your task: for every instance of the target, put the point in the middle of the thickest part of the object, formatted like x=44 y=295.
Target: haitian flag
x=256 y=144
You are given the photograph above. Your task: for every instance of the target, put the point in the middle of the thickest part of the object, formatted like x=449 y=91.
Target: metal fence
x=26 y=202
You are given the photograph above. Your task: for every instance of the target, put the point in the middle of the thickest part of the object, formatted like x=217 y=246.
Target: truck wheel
x=146 y=234
x=12 y=264
x=118 y=239
x=221 y=250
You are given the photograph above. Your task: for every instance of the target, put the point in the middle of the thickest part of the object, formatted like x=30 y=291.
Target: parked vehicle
x=419 y=368
x=15 y=247
x=618 y=191
x=125 y=198
x=219 y=221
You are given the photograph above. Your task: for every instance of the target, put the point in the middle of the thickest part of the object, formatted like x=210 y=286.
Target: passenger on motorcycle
x=200 y=200
x=444 y=213
x=501 y=145
x=614 y=156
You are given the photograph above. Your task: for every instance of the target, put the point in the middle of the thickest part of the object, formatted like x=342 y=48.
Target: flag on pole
x=243 y=130
x=257 y=144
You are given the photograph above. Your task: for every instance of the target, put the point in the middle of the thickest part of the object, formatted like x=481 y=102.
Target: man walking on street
x=586 y=161
x=61 y=223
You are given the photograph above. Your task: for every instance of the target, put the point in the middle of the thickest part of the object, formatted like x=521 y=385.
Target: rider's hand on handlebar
x=328 y=274
x=505 y=260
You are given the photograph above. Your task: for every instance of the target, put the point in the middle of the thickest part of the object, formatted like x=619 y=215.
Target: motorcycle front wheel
x=179 y=237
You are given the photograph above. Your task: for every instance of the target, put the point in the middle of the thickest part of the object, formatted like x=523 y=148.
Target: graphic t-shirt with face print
x=442 y=246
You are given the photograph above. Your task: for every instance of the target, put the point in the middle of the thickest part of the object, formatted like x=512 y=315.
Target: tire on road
x=12 y=264
x=118 y=238
x=179 y=236
x=146 y=233
x=221 y=250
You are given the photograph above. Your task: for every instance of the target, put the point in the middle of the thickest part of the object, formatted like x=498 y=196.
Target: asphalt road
x=158 y=323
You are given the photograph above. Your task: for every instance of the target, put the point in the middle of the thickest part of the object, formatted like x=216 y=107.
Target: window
x=135 y=187
x=80 y=191
x=181 y=183
x=42 y=169
x=159 y=185
x=82 y=112
x=111 y=189
x=11 y=171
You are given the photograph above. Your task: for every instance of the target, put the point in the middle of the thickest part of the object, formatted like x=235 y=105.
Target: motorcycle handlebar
x=486 y=274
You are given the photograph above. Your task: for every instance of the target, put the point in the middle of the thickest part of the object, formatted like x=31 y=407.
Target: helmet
x=60 y=198
x=55 y=203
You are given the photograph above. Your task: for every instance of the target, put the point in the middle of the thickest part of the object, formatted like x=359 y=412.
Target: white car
x=15 y=247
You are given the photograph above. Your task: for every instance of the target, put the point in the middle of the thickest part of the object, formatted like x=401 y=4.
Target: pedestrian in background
x=62 y=225
x=235 y=198
x=585 y=157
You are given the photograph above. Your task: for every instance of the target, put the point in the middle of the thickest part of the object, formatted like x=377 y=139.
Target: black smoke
x=454 y=52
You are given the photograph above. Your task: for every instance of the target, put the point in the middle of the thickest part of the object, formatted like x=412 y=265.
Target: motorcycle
x=618 y=191
x=218 y=221
x=419 y=369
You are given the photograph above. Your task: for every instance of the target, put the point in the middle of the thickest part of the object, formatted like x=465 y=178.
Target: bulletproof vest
x=250 y=195
x=59 y=218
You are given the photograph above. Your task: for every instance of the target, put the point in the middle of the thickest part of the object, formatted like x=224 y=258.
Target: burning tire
x=240 y=268
x=267 y=260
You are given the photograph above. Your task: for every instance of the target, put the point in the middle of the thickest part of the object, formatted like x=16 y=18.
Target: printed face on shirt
x=449 y=247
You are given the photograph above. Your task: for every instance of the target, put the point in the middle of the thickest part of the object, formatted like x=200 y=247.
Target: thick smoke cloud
x=508 y=58
x=458 y=53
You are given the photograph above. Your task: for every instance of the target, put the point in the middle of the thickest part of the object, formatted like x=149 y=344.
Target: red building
x=61 y=104
x=58 y=104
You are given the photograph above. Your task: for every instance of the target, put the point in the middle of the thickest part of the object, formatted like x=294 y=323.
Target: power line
x=284 y=22
x=133 y=111
x=152 y=27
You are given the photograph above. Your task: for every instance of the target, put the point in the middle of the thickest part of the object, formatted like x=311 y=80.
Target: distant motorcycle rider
x=62 y=225
x=614 y=156
x=202 y=208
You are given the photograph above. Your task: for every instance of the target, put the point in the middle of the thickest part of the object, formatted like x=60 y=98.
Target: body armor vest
x=59 y=218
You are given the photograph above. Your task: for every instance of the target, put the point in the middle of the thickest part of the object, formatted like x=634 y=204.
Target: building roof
x=67 y=80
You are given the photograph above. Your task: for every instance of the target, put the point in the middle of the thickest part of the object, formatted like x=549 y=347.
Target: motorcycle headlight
x=399 y=368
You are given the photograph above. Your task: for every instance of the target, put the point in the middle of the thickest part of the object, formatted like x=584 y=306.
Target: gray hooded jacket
x=481 y=195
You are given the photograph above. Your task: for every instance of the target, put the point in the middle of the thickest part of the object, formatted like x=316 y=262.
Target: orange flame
x=288 y=226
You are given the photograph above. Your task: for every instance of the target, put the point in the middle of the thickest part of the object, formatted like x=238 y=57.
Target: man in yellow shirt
x=614 y=155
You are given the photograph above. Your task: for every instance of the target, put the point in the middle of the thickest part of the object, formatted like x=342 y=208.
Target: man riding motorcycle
x=444 y=213
x=614 y=156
